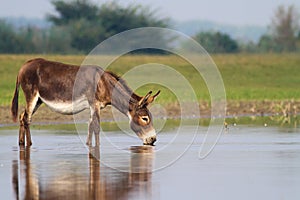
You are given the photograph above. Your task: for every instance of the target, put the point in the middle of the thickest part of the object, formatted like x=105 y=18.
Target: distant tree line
x=283 y=36
x=284 y=31
x=79 y=25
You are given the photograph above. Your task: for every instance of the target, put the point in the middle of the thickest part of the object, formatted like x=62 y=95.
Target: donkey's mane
x=124 y=84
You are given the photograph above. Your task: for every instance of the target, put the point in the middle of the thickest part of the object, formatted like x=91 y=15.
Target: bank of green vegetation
x=246 y=77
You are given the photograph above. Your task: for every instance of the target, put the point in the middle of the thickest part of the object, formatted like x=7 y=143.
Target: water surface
x=247 y=163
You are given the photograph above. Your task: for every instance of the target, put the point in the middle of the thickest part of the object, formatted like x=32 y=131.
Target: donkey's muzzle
x=150 y=140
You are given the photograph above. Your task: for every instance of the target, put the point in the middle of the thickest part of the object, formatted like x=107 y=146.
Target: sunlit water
x=247 y=163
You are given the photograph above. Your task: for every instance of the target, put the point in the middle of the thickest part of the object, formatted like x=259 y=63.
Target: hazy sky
x=235 y=12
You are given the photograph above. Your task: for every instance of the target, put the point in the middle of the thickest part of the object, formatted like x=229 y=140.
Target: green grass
x=246 y=76
x=257 y=77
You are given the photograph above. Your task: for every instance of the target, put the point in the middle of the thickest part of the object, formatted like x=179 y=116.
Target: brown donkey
x=70 y=89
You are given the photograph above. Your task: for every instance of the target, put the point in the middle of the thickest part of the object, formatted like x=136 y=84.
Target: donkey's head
x=141 y=119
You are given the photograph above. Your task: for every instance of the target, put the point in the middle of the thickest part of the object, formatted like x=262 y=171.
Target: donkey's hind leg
x=22 y=129
x=25 y=119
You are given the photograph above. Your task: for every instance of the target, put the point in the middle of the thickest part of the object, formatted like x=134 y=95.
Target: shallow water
x=247 y=163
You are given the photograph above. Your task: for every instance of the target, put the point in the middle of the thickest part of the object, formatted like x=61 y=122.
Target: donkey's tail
x=14 y=103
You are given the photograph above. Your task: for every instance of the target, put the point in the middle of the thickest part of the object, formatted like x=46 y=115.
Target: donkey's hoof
x=29 y=144
x=88 y=144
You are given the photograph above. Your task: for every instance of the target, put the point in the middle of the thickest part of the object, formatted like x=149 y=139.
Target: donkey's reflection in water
x=100 y=182
x=70 y=89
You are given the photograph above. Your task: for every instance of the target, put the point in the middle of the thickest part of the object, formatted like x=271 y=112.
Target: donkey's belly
x=68 y=107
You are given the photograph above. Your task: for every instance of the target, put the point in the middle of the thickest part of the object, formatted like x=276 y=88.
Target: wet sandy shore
x=233 y=109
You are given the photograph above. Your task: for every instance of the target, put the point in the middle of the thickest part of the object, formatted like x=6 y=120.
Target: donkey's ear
x=144 y=99
x=152 y=98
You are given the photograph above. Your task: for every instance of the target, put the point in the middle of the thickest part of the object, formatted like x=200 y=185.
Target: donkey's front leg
x=94 y=126
x=97 y=124
x=90 y=133
x=97 y=132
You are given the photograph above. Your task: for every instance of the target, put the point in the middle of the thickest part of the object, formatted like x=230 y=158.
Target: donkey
x=70 y=89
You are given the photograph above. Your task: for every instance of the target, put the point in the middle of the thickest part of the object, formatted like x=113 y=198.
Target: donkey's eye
x=145 y=119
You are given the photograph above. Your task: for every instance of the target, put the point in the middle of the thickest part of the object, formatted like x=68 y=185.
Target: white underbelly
x=67 y=108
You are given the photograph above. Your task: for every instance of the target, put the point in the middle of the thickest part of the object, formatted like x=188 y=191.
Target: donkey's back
x=48 y=75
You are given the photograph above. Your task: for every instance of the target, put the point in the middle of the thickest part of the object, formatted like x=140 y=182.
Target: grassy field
x=246 y=77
